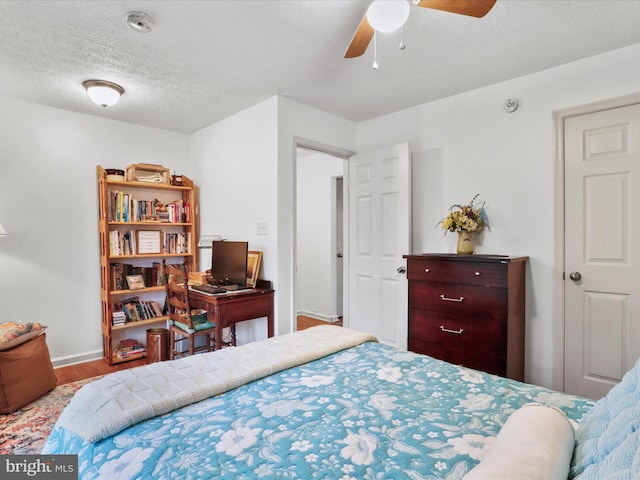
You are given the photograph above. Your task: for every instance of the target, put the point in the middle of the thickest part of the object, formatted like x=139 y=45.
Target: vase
x=465 y=243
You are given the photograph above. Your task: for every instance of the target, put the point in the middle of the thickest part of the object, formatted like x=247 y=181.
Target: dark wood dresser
x=469 y=310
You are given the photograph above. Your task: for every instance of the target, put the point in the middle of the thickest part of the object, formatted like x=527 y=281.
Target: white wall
x=315 y=257
x=236 y=164
x=468 y=144
x=253 y=152
x=299 y=124
x=50 y=262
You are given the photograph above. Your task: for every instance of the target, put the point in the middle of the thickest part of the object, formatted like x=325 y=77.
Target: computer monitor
x=229 y=262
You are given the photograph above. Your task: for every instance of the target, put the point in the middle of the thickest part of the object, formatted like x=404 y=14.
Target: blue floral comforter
x=370 y=412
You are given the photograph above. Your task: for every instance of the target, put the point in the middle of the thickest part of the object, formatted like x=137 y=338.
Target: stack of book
x=118 y=317
x=128 y=348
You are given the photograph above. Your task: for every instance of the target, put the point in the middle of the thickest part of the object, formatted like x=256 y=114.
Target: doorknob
x=401 y=270
x=339 y=255
x=575 y=276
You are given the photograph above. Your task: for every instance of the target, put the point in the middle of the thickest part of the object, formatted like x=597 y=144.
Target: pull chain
x=375 y=50
x=402 y=44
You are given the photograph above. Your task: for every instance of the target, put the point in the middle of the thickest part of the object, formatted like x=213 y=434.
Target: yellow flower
x=464 y=218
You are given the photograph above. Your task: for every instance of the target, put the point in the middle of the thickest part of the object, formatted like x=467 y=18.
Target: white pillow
x=536 y=442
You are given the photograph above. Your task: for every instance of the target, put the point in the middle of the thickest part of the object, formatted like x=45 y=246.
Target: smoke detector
x=510 y=105
x=139 y=22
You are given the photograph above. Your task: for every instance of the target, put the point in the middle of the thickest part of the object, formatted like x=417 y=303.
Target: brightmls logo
x=30 y=468
x=52 y=467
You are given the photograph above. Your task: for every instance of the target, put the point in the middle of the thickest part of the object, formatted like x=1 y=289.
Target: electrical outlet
x=263 y=228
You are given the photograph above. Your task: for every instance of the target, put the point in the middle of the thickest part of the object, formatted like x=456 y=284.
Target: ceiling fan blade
x=360 y=40
x=473 y=8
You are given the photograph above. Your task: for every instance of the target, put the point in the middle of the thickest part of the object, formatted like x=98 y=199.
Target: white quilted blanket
x=111 y=404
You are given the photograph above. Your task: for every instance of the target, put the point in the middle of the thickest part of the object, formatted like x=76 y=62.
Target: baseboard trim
x=74 y=359
x=319 y=316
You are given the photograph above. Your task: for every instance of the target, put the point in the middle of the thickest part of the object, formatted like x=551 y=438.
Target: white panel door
x=379 y=235
x=602 y=234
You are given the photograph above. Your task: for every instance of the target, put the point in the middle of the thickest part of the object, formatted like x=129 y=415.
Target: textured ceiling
x=206 y=60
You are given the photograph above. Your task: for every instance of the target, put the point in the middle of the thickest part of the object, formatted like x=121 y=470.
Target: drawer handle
x=457 y=332
x=447 y=299
x=427 y=270
x=477 y=274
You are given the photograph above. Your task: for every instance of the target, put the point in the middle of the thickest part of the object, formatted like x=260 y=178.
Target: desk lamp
x=206 y=241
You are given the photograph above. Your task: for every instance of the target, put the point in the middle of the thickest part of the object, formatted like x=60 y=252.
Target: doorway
x=319 y=237
x=376 y=235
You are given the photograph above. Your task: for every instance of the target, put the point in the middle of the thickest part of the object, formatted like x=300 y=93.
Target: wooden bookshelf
x=140 y=323
x=135 y=292
x=122 y=206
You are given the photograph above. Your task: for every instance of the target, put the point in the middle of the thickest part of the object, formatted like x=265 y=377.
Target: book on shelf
x=129 y=347
x=118 y=316
x=130 y=312
x=125 y=355
x=155 y=268
x=115 y=206
x=124 y=243
x=127 y=343
x=118 y=273
x=135 y=309
x=123 y=207
x=177 y=242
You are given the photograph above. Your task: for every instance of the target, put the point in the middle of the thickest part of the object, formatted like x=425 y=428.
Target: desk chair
x=185 y=324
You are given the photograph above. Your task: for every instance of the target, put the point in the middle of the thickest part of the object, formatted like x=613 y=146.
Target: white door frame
x=337 y=292
x=336 y=152
x=559 y=237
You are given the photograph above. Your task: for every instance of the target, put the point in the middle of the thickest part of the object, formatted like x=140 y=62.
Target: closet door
x=602 y=247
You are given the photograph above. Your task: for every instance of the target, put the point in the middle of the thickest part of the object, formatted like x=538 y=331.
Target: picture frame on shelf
x=254 y=260
x=149 y=241
x=135 y=282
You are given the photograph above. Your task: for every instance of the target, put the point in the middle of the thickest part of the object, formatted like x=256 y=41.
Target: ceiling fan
x=393 y=14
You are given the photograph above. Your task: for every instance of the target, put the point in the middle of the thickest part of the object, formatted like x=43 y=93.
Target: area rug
x=25 y=431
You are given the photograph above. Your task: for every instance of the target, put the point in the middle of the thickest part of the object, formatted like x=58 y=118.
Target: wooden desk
x=230 y=308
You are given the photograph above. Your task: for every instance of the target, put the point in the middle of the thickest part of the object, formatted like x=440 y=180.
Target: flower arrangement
x=465 y=218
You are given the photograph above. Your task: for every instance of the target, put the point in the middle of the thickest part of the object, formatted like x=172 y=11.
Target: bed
x=332 y=403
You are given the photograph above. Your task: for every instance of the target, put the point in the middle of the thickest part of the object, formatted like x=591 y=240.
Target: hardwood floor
x=306 y=322
x=84 y=370
x=80 y=371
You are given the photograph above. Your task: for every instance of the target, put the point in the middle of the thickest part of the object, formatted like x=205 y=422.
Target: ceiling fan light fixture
x=387 y=15
x=102 y=92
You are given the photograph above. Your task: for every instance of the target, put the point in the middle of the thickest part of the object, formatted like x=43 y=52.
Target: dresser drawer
x=490 y=302
x=458 y=331
x=469 y=273
x=477 y=359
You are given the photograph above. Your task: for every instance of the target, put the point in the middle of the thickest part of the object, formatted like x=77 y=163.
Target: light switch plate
x=263 y=228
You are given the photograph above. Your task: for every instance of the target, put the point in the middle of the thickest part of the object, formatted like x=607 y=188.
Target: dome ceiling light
x=387 y=15
x=102 y=92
